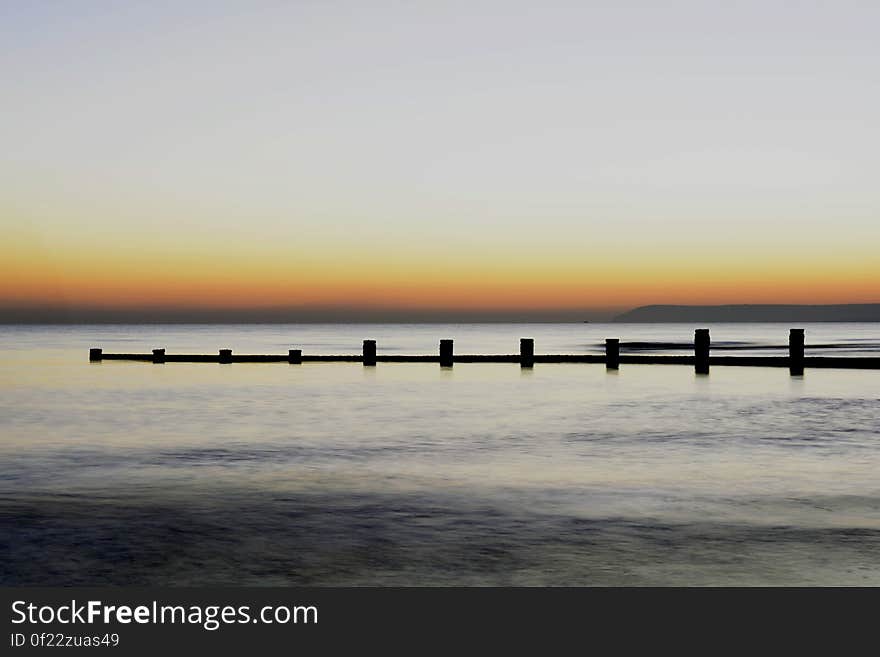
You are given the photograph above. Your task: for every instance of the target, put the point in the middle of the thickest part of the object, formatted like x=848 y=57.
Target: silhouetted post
x=445 y=353
x=294 y=356
x=612 y=354
x=95 y=355
x=158 y=355
x=796 y=352
x=370 y=353
x=701 y=351
x=226 y=355
x=527 y=352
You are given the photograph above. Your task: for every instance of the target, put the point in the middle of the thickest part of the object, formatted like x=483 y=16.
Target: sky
x=437 y=158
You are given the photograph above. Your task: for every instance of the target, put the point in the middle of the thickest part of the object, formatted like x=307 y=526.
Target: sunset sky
x=438 y=156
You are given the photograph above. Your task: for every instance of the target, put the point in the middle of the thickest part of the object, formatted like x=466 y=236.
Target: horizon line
x=58 y=314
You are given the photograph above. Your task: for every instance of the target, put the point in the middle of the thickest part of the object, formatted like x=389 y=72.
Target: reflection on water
x=131 y=473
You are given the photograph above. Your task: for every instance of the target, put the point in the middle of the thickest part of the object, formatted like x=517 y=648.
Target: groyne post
x=701 y=351
x=294 y=356
x=796 y=352
x=226 y=355
x=612 y=353
x=369 y=353
x=158 y=355
x=527 y=352
x=445 y=353
x=95 y=355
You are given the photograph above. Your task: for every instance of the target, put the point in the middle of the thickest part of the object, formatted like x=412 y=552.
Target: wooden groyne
x=701 y=361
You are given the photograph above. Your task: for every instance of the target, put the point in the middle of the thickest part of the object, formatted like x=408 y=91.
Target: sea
x=409 y=474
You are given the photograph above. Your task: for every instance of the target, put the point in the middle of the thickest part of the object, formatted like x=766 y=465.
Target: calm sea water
x=405 y=474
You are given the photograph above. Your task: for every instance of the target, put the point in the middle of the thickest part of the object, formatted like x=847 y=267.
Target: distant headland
x=855 y=312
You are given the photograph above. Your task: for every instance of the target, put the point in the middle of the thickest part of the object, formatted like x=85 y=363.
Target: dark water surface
x=176 y=474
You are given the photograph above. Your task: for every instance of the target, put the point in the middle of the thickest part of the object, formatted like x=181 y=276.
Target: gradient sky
x=438 y=155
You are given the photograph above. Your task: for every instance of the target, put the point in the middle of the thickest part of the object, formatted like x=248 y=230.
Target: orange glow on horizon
x=220 y=275
x=467 y=288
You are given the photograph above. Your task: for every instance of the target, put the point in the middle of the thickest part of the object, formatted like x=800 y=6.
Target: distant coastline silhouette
x=11 y=314
x=861 y=312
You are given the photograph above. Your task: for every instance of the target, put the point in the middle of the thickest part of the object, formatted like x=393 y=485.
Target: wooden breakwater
x=701 y=360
